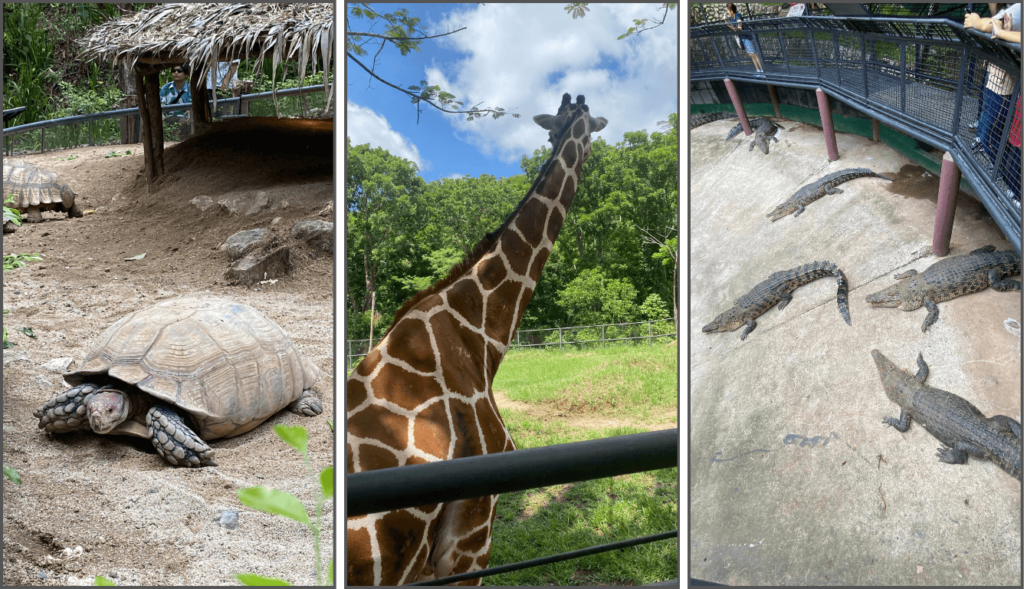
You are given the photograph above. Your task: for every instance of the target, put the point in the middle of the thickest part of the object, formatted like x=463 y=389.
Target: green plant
x=101 y=580
x=281 y=503
x=11 y=474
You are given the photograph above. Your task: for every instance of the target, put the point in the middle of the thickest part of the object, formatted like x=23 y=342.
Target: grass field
x=551 y=397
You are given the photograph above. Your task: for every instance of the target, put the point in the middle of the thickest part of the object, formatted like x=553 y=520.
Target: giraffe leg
x=463 y=539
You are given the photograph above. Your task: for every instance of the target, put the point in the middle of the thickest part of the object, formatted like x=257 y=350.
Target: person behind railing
x=177 y=91
x=736 y=23
x=995 y=98
x=227 y=74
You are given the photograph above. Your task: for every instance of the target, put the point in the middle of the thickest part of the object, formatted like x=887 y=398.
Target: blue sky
x=521 y=57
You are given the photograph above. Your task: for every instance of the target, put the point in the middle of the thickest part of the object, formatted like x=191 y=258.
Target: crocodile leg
x=922 y=372
x=901 y=424
x=746 y=331
x=983 y=250
x=997 y=282
x=1006 y=425
x=906 y=274
x=799 y=209
x=833 y=190
x=933 y=314
x=784 y=299
x=958 y=454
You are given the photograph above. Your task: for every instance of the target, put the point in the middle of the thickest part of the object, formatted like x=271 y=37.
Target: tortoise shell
x=223 y=362
x=32 y=187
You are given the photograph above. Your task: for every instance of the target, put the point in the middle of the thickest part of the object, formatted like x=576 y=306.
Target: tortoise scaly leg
x=33 y=215
x=308 y=404
x=175 y=441
x=67 y=411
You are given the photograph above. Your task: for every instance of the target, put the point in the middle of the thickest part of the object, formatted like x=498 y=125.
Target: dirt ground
x=109 y=505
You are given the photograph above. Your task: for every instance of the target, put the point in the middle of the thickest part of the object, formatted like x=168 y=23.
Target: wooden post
x=560 y=347
x=42 y=139
x=200 y=101
x=734 y=96
x=775 y=100
x=140 y=97
x=373 y=308
x=826 y=124
x=949 y=190
x=127 y=84
x=602 y=336
x=519 y=344
x=156 y=122
x=649 y=333
x=875 y=136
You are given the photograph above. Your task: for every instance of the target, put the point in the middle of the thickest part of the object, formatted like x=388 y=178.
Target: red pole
x=949 y=190
x=737 y=105
x=826 y=124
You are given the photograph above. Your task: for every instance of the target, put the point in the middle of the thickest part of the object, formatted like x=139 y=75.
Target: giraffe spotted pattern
x=424 y=394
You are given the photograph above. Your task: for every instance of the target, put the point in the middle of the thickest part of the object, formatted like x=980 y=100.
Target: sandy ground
x=136 y=519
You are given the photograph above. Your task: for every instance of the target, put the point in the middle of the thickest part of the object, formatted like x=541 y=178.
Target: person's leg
x=996 y=108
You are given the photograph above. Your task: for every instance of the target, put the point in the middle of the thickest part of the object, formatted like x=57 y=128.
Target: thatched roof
x=203 y=34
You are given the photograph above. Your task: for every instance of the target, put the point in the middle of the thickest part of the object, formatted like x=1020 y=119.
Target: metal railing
x=239 y=105
x=526 y=339
x=950 y=87
x=508 y=472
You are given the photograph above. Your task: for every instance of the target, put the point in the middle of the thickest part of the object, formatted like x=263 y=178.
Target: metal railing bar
x=110 y=114
x=535 y=562
x=507 y=472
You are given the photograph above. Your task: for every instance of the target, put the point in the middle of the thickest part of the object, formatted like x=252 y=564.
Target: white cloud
x=366 y=126
x=456 y=176
x=523 y=57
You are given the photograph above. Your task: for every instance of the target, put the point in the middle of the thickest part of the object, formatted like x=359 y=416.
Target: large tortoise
x=181 y=372
x=37 y=190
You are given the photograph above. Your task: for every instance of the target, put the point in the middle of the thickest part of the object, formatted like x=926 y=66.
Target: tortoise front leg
x=33 y=215
x=175 y=441
x=308 y=404
x=67 y=411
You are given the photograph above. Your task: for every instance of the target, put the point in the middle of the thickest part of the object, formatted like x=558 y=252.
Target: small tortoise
x=181 y=372
x=36 y=190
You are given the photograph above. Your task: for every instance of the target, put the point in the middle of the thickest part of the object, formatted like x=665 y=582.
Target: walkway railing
x=507 y=472
x=950 y=87
x=238 y=105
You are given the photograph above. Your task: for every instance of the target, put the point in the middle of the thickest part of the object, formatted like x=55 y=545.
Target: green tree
x=593 y=298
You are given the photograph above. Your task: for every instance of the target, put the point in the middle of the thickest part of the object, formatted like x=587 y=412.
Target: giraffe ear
x=548 y=122
x=598 y=124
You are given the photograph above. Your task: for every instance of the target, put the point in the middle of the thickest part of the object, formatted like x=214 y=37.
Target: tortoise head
x=67 y=197
x=728 y=321
x=107 y=409
x=887 y=297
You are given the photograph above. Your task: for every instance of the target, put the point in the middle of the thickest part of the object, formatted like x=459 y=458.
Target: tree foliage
x=405 y=234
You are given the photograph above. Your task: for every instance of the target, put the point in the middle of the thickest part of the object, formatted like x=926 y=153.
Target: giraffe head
x=558 y=124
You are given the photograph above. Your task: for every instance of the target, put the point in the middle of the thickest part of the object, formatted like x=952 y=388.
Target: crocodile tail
x=734 y=131
x=842 y=295
x=882 y=177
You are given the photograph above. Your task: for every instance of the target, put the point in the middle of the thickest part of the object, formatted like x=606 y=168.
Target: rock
x=43 y=382
x=10 y=356
x=256 y=267
x=201 y=202
x=328 y=210
x=259 y=202
x=10 y=227
x=58 y=365
x=228 y=519
x=41 y=574
x=232 y=205
x=238 y=244
x=317 y=233
x=276 y=221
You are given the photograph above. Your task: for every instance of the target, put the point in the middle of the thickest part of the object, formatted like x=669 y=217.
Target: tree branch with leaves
x=402 y=32
x=668 y=252
x=579 y=10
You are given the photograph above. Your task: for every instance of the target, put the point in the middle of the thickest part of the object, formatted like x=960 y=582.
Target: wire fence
x=574 y=338
x=949 y=87
x=112 y=127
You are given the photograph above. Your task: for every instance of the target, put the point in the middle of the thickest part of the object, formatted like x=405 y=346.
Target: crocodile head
x=728 y=321
x=888 y=297
x=780 y=212
x=899 y=385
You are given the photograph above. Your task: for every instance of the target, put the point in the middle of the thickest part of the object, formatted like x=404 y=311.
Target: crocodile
x=704 y=118
x=948 y=279
x=777 y=289
x=815 y=190
x=764 y=132
x=960 y=426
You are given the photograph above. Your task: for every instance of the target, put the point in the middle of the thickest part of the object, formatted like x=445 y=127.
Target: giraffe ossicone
x=424 y=393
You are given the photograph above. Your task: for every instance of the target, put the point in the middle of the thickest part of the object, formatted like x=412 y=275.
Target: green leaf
x=274 y=502
x=330 y=573
x=12 y=475
x=258 y=581
x=331 y=424
x=327 y=481
x=295 y=436
x=101 y=580
x=134 y=258
x=28 y=331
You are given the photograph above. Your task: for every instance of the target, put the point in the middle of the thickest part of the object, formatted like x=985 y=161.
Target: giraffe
x=424 y=394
